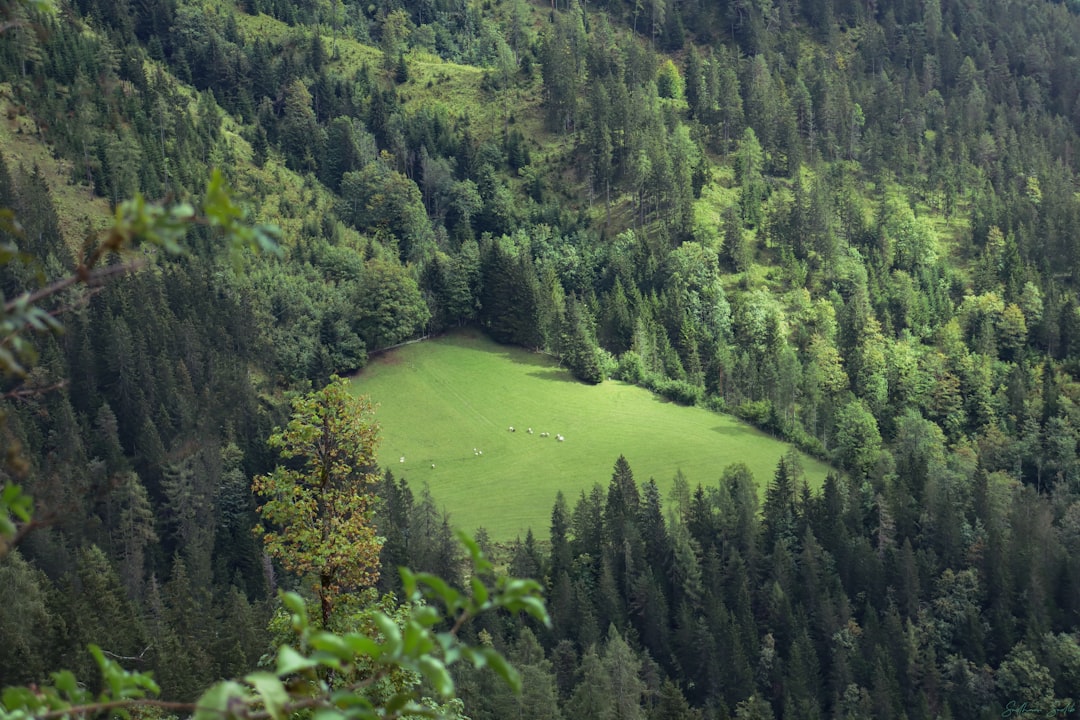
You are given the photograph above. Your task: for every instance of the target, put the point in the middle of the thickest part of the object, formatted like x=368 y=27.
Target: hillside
x=853 y=225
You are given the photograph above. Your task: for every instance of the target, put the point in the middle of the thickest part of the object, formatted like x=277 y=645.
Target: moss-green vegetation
x=439 y=400
x=78 y=209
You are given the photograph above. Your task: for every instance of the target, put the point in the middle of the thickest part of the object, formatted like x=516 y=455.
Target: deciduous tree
x=317 y=513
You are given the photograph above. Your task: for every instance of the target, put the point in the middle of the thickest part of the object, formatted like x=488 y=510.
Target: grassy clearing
x=78 y=211
x=455 y=88
x=439 y=400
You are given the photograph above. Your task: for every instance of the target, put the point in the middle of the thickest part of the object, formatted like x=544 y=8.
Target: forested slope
x=853 y=224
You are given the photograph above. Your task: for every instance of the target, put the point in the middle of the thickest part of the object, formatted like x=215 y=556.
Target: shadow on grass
x=546 y=366
x=556 y=374
x=739 y=430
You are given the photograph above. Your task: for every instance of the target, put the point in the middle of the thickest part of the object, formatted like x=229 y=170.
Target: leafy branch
x=136 y=224
x=328 y=673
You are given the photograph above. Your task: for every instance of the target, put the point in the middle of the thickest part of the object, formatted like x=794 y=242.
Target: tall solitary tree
x=317 y=514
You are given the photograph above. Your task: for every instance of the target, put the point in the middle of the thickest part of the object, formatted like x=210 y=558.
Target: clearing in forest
x=446 y=407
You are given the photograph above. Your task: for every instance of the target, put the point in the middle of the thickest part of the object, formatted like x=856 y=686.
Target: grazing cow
x=402 y=459
x=529 y=431
x=560 y=438
x=479 y=452
x=511 y=428
x=432 y=466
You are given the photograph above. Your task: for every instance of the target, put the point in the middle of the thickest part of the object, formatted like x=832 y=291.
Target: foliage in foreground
x=137 y=226
x=330 y=674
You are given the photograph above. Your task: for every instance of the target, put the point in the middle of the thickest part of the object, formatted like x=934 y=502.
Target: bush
x=680 y=391
x=608 y=363
x=716 y=403
x=586 y=367
x=630 y=368
x=755 y=411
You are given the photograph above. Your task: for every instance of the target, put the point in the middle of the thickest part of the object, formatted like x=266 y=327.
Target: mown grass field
x=440 y=399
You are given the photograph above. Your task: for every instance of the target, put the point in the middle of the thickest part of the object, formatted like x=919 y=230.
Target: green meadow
x=442 y=401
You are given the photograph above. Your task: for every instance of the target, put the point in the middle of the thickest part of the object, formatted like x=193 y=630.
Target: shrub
x=630 y=368
x=680 y=391
x=755 y=411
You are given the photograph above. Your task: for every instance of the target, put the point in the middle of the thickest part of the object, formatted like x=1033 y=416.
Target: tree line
x=952 y=600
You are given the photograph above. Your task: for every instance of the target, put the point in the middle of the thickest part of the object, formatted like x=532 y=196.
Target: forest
x=853 y=225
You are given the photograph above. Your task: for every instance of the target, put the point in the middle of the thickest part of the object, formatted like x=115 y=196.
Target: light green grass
x=440 y=399
x=21 y=144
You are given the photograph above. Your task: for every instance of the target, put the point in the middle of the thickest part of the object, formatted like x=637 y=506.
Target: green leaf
x=470 y=544
x=9 y=364
x=348 y=698
x=289 y=661
x=398 y=702
x=417 y=640
x=426 y=615
x=66 y=683
x=294 y=603
x=298 y=609
x=390 y=632
x=325 y=713
x=442 y=589
x=436 y=674
x=363 y=646
x=221 y=701
x=446 y=641
x=451 y=655
x=17 y=502
x=503 y=669
x=475 y=655
x=272 y=692
x=480 y=563
x=479 y=591
x=408 y=581
x=332 y=644
x=19 y=697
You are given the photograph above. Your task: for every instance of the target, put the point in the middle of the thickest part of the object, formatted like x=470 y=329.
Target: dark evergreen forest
x=855 y=225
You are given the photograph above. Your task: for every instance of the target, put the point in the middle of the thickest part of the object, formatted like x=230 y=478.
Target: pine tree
x=134 y=531
x=26 y=624
x=592 y=697
x=779 y=508
x=561 y=557
x=622 y=667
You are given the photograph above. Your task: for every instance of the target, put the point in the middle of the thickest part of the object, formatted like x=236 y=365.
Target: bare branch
x=10 y=543
x=22 y=393
x=84 y=274
x=250 y=705
x=131 y=658
x=95 y=708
